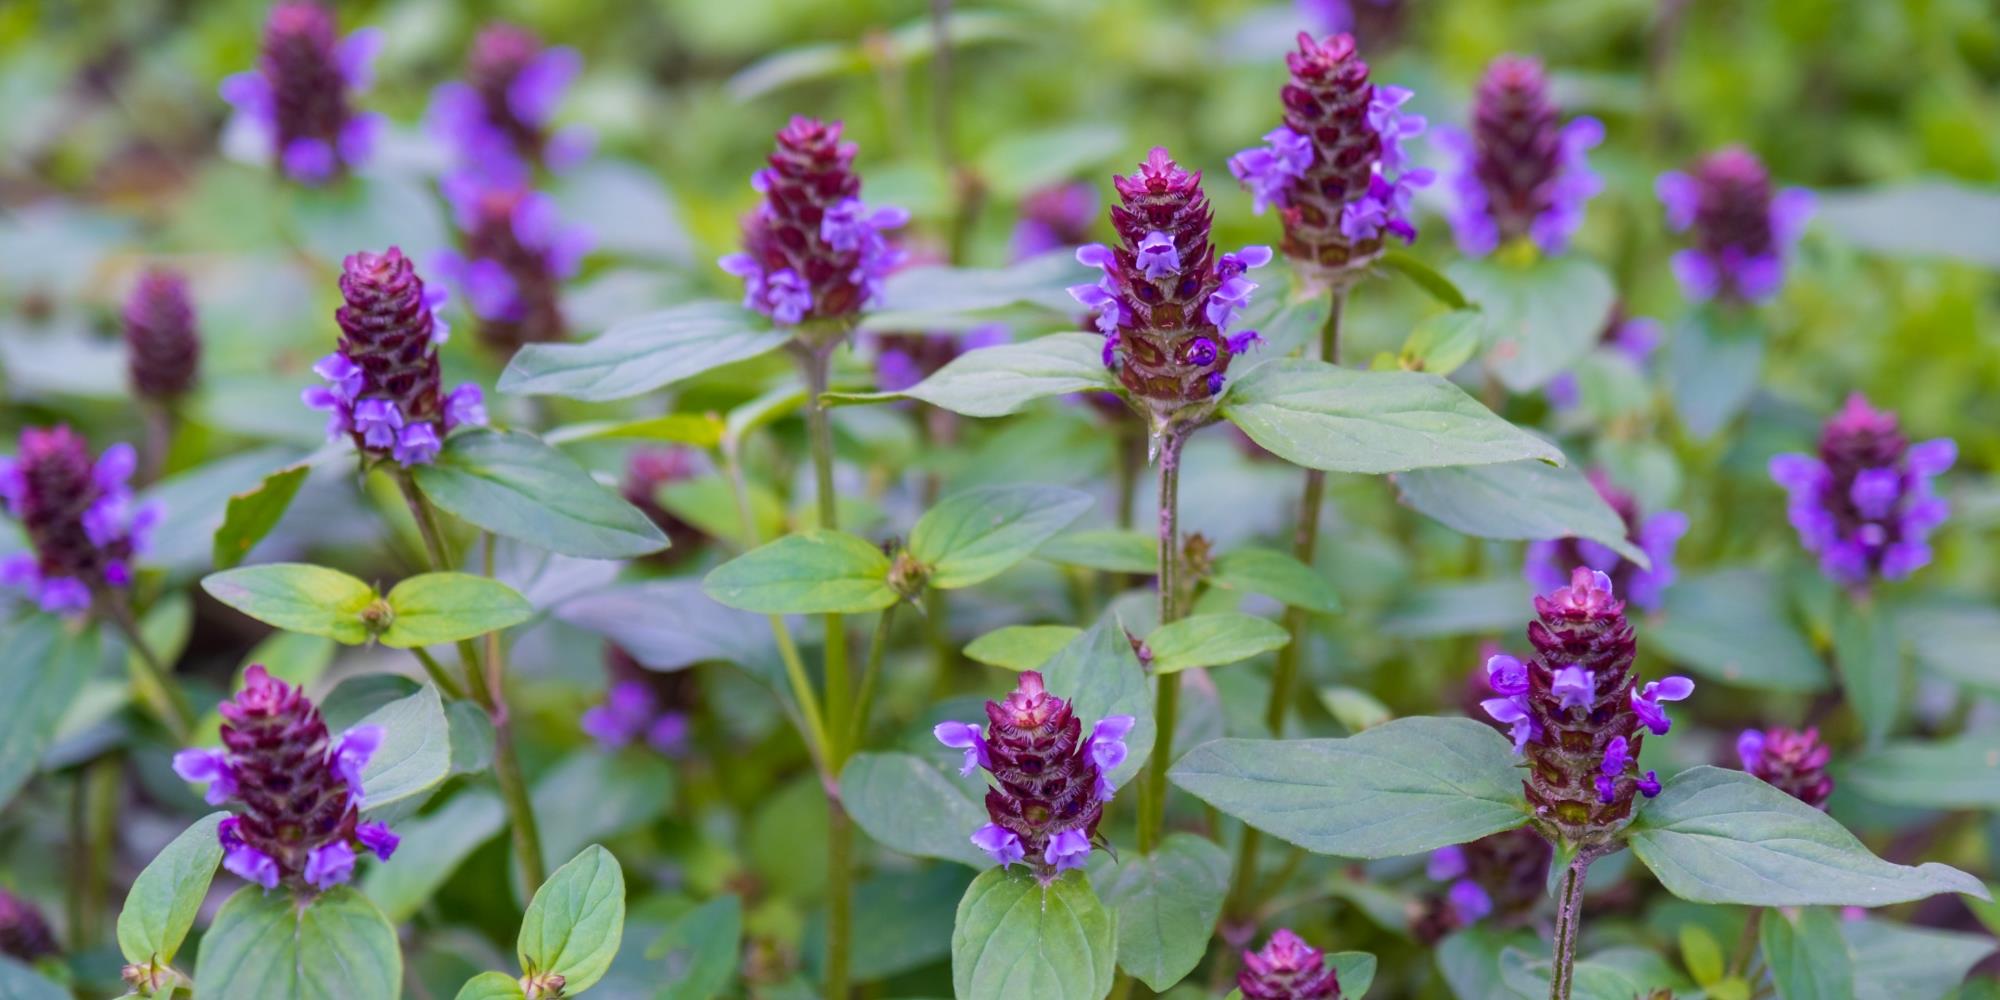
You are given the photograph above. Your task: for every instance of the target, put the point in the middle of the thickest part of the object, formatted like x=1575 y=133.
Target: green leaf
x=1356 y=971
x=167 y=895
x=1275 y=575
x=1701 y=954
x=1807 y=957
x=626 y=209
x=1109 y=551
x=1429 y=279
x=1869 y=655
x=574 y=923
x=1716 y=836
x=1712 y=361
x=1955 y=641
x=996 y=381
x=1321 y=416
x=906 y=804
x=297 y=597
x=437 y=609
x=1167 y=903
x=700 y=950
x=251 y=515
x=44 y=670
x=334 y=946
x=1020 y=647
x=491 y=986
x=19 y=982
x=1525 y=500
x=1404 y=787
x=433 y=847
x=514 y=485
x=1461 y=609
x=1211 y=641
x=1925 y=218
x=1354 y=708
x=1541 y=318
x=1733 y=625
x=973 y=536
x=1101 y=676
x=641 y=354
x=415 y=754
x=918 y=297
x=702 y=430
x=709 y=504
x=902 y=920
x=670 y=624
x=1014 y=938
x=1894 y=962
x=814 y=572
x=1962 y=773
x=1444 y=342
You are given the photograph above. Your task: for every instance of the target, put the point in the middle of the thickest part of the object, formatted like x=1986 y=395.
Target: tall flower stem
x=488 y=691
x=1166 y=700
x=1569 y=924
x=818 y=359
x=812 y=723
x=169 y=703
x=1305 y=542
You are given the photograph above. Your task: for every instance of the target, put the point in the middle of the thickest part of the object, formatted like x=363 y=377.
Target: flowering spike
x=297 y=789
x=1500 y=877
x=24 y=933
x=1794 y=761
x=1519 y=173
x=641 y=705
x=1287 y=969
x=1336 y=169
x=1053 y=218
x=1741 y=229
x=297 y=101
x=1656 y=535
x=1050 y=780
x=383 y=386
x=813 y=250
x=498 y=119
x=516 y=253
x=1865 y=504
x=82 y=525
x=163 y=350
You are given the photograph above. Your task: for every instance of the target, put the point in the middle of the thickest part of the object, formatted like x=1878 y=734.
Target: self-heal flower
x=1050 y=781
x=1656 y=534
x=813 y=250
x=1520 y=172
x=163 y=347
x=1336 y=170
x=82 y=524
x=296 y=788
x=1053 y=218
x=297 y=102
x=24 y=932
x=1792 y=760
x=1865 y=503
x=383 y=385
x=1287 y=968
x=498 y=120
x=640 y=706
x=1165 y=298
x=515 y=253
x=1741 y=229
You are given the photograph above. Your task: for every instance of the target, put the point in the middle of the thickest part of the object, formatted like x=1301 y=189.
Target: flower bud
x=497 y=120
x=1865 y=504
x=24 y=934
x=1520 y=173
x=515 y=254
x=1287 y=969
x=297 y=101
x=82 y=524
x=163 y=351
x=1791 y=760
x=1655 y=535
x=1741 y=229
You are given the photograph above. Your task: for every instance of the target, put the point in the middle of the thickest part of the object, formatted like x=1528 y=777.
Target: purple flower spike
x=1792 y=760
x=1498 y=877
x=813 y=250
x=1657 y=535
x=1053 y=218
x=515 y=253
x=162 y=344
x=1336 y=169
x=498 y=121
x=83 y=526
x=1742 y=230
x=640 y=706
x=1519 y=173
x=1287 y=969
x=298 y=791
x=296 y=103
x=1866 y=504
x=24 y=932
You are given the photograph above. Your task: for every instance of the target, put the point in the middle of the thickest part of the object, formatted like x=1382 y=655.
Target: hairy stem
x=169 y=703
x=1569 y=924
x=839 y=831
x=1166 y=703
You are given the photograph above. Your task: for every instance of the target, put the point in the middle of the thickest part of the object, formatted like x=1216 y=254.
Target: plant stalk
x=171 y=704
x=839 y=705
x=1166 y=703
x=810 y=719
x=1569 y=924
x=862 y=703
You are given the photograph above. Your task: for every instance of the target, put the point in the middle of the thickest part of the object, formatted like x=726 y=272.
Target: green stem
x=1166 y=699
x=1569 y=924
x=862 y=704
x=839 y=832
x=788 y=651
x=97 y=790
x=437 y=673
x=839 y=897
x=170 y=703
x=1746 y=945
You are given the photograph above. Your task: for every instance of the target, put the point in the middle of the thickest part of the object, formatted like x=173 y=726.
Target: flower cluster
x=1501 y=877
x=904 y=359
x=1742 y=229
x=1336 y=168
x=1520 y=173
x=1865 y=504
x=497 y=119
x=1377 y=22
x=1578 y=712
x=1791 y=760
x=1287 y=969
x=1656 y=535
x=383 y=386
x=813 y=250
x=516 y=254
x=1054 y=218
x=296 y=102
x=638 y=706
x=24 y=932
x=163 y=349
x=1166 y=299
x=1633 y=337
x=297 y=788
x=82 y=524
x=1050 y=781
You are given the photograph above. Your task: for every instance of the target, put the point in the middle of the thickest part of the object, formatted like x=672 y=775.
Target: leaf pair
x=426 y=610
x=569 y=935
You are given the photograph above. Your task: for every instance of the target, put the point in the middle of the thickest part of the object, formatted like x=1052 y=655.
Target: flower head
x=498 y=121
x=383 y=385
x=1520 y=172
x=1287 y=969
x=1656 y=534
x=1054 y=218
x=1865 y=504
x=641 y=706
x=24 y=933
x=1499 y=877
x=297 y=101
x=515 y=253
x=83 y=525
x=163 y=348
x=1741 y=229
x=296 y=789
x=1792 y=760
x=813 y=249
x=1336 y=169
x=1050 y=780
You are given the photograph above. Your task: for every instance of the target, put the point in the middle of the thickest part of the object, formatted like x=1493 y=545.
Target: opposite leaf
x=576 y=920
x=906 y=804
x=441 y=608
x=815 y=572
x=1541 y=318
x=1167 y=904
x=336 y=946
x=973 y=536
x=1014 y=937
x=1275 y=575
x=1020 y=647
x=168 y=893
x=996 y=381
x=297 y=597
x=1717 y=836
x=415 y=753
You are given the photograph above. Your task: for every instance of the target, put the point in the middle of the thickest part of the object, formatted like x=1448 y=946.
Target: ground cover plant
x=1397 y=498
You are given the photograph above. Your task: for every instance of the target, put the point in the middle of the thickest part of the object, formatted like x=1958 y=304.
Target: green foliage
x=1016 y=937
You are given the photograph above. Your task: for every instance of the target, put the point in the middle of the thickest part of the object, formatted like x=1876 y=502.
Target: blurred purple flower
x=1865 y=504
x=83 y=526
x=1520 y=173
x=1742 y=230
x=296 y=102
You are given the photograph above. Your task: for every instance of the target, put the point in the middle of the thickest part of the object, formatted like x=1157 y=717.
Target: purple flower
x=207 y=767
x=1656 y=535
x=905 y=359
x=1649 y=784
x=1646 y=701
x=1445 y=864
x=1794 y=761
x=1287 y=969
x=163 y=348
x=329 y=865
x=1865 y=504
x=498 y=120
x=1469 y=902
x=244 y=861
x=378 y=839
x=1519 y=173
x=82 y=522
x=1742 y=230
x=964 y=736
x=515 y=253
x=1270 y=171
x=999 y=842
x=1574 y=687
x=1048 y=789
x=1053 y=218
x=1067 y=849
x=296 y=102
